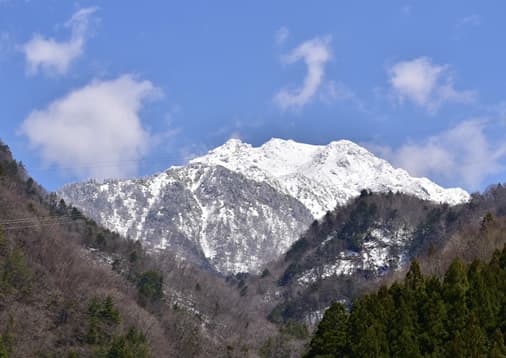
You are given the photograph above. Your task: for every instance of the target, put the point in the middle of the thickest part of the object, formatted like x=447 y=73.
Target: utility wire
x=31 y=218
x=32 y=222
x=28 y=218
x=34 y=226
x=106 y=164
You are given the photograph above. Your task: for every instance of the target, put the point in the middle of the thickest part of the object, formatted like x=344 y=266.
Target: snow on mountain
x=384 y=249
x=239 y=207
x=207 y=214
x=322 y=177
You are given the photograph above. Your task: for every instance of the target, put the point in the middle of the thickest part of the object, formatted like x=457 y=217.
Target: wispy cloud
x=471 y=20
x=425 y=84
x=315 y=53
x=339 y=92
x=282 y=35
x=91 y=125
x=463 y=155
x=52 y=56
x=192 y=151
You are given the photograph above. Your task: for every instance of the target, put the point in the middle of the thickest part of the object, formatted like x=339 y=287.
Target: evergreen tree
x=432 y=318
x=131 y=345
x=403 y=340
x=150 y=285
x=480 y=297
x=455 y=286
x=462 y=316
x=498 y=349
x=331 y=335
x=475 y=341
x=414 y=278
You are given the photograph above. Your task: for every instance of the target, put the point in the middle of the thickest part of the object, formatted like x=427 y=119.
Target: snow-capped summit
x=239 y=207
x=323 y=176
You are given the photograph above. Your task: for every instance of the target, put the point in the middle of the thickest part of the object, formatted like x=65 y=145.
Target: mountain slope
x=322 y=177
x=461 y=315
x=239 y=207
x=371 y=241
x=69 y=287
x=56 y=297
x=207 y=213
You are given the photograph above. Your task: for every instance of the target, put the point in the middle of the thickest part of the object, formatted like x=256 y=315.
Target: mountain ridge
x=239 y=207
x=324 y=176
x=187 y=211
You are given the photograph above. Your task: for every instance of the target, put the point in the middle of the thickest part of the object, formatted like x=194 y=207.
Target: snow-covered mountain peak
x=230 y=147
x=207 y=214
x=323 y=176
x=239 y=206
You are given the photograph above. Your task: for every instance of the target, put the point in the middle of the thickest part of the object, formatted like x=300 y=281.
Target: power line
x=110 y=163
x=32 y=222
x=26 y=218
x=18 y=220
x=32 y=226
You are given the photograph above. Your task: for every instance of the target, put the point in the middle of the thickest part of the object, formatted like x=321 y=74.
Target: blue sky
x=114 y=88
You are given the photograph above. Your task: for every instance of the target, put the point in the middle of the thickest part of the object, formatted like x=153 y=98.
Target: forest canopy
x=461 y=315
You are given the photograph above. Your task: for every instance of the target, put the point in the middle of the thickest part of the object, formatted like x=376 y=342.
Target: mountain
x=239 y=207
x=209 y=214
x=371 y=241
x=71 y=288
x=401 y=321
x=322 y=177
x=57 y=297
x=374 y=236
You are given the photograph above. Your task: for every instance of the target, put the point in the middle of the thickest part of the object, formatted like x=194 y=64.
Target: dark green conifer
x=331 y=335
x=498 y=349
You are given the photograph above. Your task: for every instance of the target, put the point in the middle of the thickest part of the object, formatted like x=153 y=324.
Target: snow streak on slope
x=207 y=214
x=239 y=207
x=322 y=177
x=383 y=250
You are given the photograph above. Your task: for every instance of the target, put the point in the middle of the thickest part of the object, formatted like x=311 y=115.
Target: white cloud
x=315 y=53
x=338 y=91
x=52 y=56
x=282 y=35
x=471 y=20
x=236 y=135
x=462 y=155
x=94 y=131
x=192 y=151
x=426 y=84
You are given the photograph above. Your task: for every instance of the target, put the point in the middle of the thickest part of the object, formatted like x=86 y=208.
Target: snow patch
x=322 y=177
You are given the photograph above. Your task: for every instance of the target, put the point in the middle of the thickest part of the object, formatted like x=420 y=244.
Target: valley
x=353 y=249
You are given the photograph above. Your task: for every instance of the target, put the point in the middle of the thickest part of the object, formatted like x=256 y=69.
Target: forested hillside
x=461 y=315
x=56 y=297
x=69 y=286
x=371 y=241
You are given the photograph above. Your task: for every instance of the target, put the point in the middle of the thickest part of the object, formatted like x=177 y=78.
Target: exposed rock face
x=384 y=249
x=322 y=177
x=200 y=212
x=239 y=207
